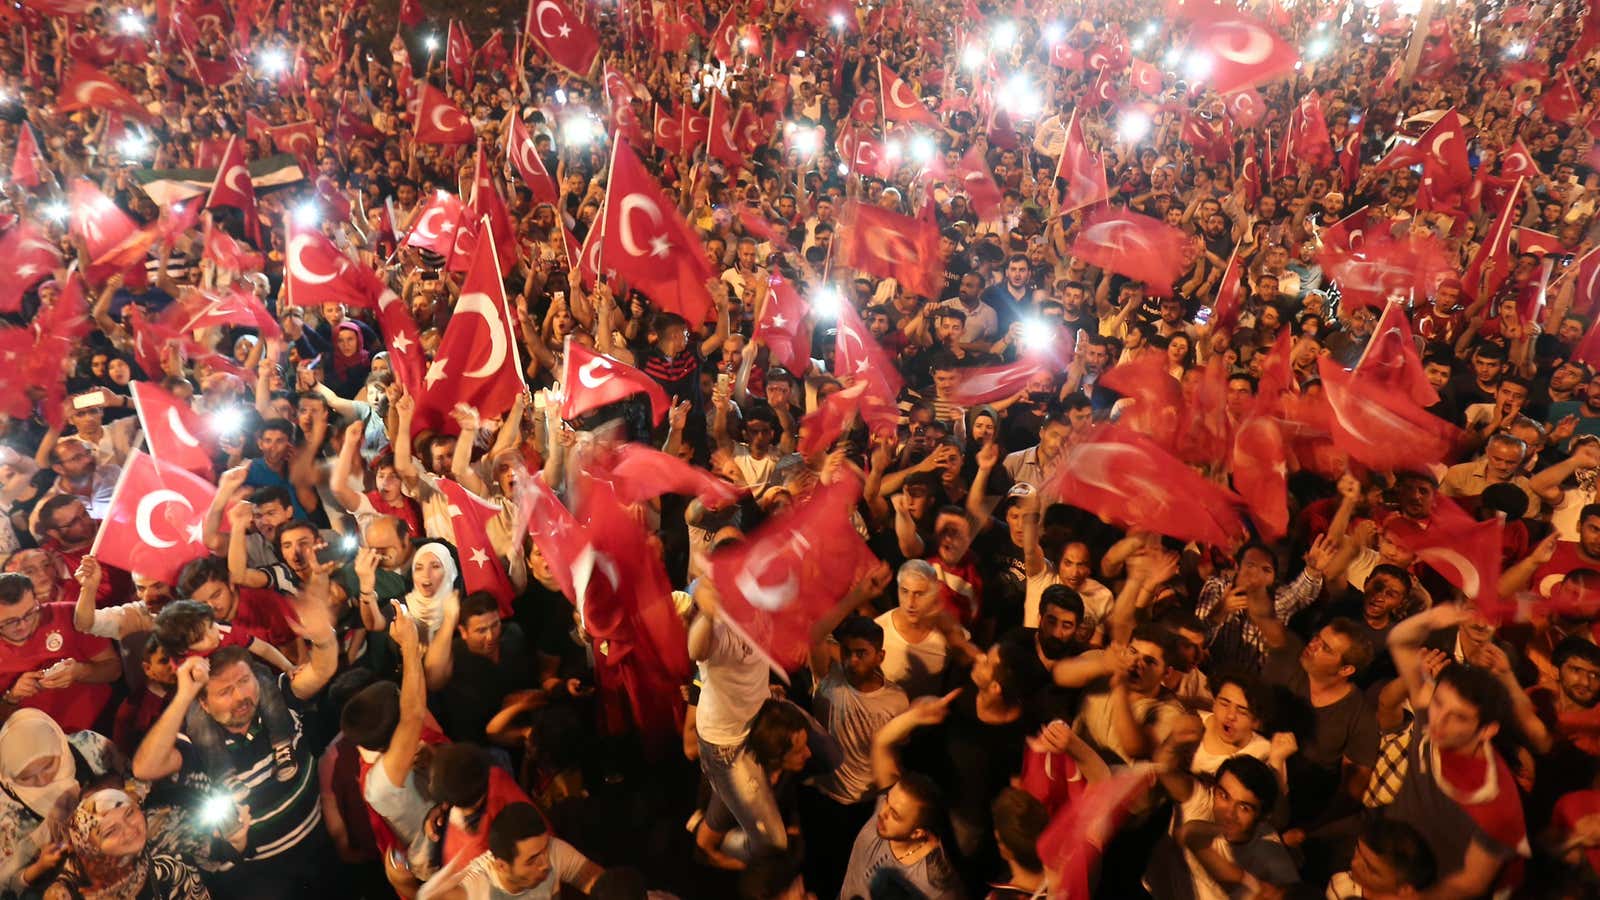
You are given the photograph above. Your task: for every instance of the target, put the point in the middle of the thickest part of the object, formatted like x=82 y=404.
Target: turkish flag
x=85 y=87
x=1386 y=265
x=668 y=132
x=1309 y=138
x=315 y=272
x=1561 y=102
x=722 y=142
x=858 y=356
x=900 y=102
x=647 y=242
x=1127 y=478
x=1156 y=396
x=1104 y=89
x=1492 y=263
x=1245 y=107
x=1134 y=245
x=975 y=180
x=1586 y=270
x=625 y=601
x=297 y=138
x=1146 y=78
x=227 y=254
x=177 y=218
x=990 y=383
x=116 y=243
x=1250 y=169
x=590 y=380
x=570 y=43
x=524 y=155
x=441 y=122
x=28 y=256
x=481 y=569
x=890 y=245
x=153 y=525
x=1350 y=155
x=1240 y=53
x=866 y=109
x=587 y=261
x=1260 y=468
x=1391 y=362
x=198 y=309
x=784 y=327
x=1517 y=161
x=27 y=164
x=1080 y=830
x=1443 y=148
x=1210 y=138
x=174 y=433
x=790 y=573
x=696 y=128
x=233 y=187
x=1378 y=427
x=435 y=227
x=458 y=55
x=1085 y=172
x=404 y=343
x=411 y=13
x=822 y=426
x=757 y=225
x=1230 y=295
x=477 y=362
x=1065 y=56
x=1466 y=554
x=639 y=473
x=1531 y=241
x=485 y=208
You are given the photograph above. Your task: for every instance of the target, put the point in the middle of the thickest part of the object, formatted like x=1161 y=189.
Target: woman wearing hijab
x=350 y=363
x=435 y=598
x=109 y=857
x=42 y=772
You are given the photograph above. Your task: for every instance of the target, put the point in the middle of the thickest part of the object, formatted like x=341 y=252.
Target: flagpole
x=611 y=174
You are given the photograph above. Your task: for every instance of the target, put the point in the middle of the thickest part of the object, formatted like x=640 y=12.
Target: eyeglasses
x=22 y=620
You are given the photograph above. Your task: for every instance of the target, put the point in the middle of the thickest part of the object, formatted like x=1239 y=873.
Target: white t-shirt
x=918 y=668
x=1097 y=600
x=481 y=882
x=733 y=685
x=756 y=473
x=402 y=806
x=852 y=718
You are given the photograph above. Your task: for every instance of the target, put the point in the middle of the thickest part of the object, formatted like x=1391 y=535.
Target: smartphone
x=89 y=400
x=724 y=382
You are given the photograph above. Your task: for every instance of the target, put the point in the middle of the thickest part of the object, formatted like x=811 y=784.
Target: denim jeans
x=738 y=780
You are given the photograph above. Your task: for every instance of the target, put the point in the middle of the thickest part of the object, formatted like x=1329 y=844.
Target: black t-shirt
x=478 y=685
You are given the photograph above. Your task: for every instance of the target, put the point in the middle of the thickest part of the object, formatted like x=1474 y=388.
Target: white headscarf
x=27 y=737
x=428 y=609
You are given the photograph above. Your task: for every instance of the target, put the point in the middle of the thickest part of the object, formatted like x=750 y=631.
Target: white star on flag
x=400 y=343
x=478 y=557
x=660 y=246
x=435 y=372
x=779 y=321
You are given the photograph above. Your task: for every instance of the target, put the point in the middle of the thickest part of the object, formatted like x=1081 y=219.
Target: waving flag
x=1085 y=172
x=647 y=242
x=784 y=326
x=153 y=525
x=27 y=165
x=900 y=103
x=569 y=42
x=477 y=362
x=1378 y=428
x=890 y=245
x=441 y=122
x=85 y=87
x=28 y=256
x=315 y=272
x=1134 y=245
x=524 y=155
x=1239 y=53
x=1260 y=468
x=590 y=380
x=175 y=434
x=640 y=473
x=435 y=227
x=1391 y=362
x=234 y=188
x=481 y=569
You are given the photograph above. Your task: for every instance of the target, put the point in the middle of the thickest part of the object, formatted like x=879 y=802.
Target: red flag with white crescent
x=1391 y=361
x=434 y=228
x=28 y=256
x=439 y=121
x=524 y=155
x=900 y=102
x=648 y=243
x=478 y=362
x=890 y=245
x=1239 y=53
x=176 y=435
x=565 y=38
x=1084 y=171
x=234 y=187
x=85 y=87
x=590 y=380
x=153 y=525
x=1134 y=245
x=27 y=164
x=481 y=569
x=315 y=272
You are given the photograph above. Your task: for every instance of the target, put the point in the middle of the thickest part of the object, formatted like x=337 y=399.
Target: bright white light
x=826 y=303
x=1151 y=29
x=1138 y=45
x=1054 y=32
x=349 y=542
x=838 y=21
x=577 y=131
x=1318 y=48
x=923 y=149
x=893 y=149
x=1021 y=98
x=799 y=54
x=1197 y=66
x=1037 y=334
x=1516 y=50
x=1133 y=126
x=227 y=421
x=972 y=56
x=133 y=146
x=273 y=62
x=1173 y=58
x=308 y=214
x=57 y=212
x=1003 y=35
x=216 y=808
x=844 y=168
x=804 y=140
x=561 y=96
x=431 y=42
x=130 y=22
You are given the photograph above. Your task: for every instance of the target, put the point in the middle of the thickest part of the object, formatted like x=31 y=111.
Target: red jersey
x=263 y=613
x=406 y=510
x=75 y=708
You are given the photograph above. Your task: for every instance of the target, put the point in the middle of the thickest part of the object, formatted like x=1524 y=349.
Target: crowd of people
x=1175 y=460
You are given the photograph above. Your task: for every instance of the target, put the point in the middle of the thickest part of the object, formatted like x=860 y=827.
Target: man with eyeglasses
x=80 y=473
x=46 y=663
